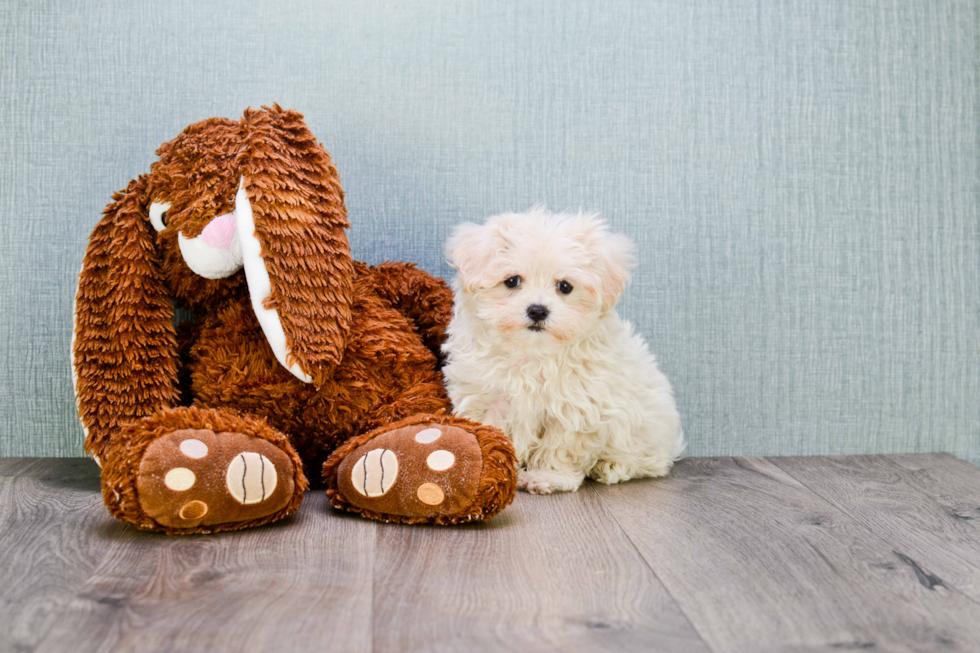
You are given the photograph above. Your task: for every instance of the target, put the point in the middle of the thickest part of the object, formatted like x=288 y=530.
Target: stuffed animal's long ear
x=291 y=222
x=125 y=349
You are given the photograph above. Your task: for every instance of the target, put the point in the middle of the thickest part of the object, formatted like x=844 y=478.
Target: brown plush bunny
x=297 y=356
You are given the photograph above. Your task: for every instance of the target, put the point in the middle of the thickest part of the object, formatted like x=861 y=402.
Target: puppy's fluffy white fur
x=577 y=392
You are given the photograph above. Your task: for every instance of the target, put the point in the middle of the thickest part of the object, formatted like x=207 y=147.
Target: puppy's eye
x=564 y=287
x=158 y=215
x=513 y=281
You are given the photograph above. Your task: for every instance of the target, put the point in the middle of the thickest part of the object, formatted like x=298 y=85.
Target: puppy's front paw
x=536 y=481
x=610 y=473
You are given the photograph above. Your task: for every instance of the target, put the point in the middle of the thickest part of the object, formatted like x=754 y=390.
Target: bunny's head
x=249 y=207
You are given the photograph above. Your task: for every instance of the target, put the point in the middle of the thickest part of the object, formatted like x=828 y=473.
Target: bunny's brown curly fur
x=368 y=336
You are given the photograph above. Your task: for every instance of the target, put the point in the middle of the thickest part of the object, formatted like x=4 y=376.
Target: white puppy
x=536 y=349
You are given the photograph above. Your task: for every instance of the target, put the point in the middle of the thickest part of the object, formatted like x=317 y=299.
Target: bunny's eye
x=158 y=215
x=513 y=281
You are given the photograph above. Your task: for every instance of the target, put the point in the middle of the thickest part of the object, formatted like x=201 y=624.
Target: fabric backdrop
x=800 y=176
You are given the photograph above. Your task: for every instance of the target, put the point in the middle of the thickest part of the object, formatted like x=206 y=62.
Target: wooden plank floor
x=877 y=553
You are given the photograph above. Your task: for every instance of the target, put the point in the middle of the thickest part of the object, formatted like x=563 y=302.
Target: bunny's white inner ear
x=259 y=284
x=74 y=369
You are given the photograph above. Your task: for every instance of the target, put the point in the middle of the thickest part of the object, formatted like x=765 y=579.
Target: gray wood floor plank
x=759 y=563
x=303 y=584
x=53 y=532
x=754 y=555
x=19 y=466
x=927 y=505
x=549 y=574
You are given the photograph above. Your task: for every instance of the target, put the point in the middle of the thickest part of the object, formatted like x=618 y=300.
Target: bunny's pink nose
x=220 y=232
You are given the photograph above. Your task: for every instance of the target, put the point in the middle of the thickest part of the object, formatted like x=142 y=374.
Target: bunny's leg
x=429 y=467
x=191 y=470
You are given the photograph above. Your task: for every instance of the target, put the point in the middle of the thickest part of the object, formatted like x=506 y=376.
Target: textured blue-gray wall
x=801 y=177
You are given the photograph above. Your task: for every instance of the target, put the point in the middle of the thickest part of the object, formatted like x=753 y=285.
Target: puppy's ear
x=124 y=349
x=470 y=250
x=296 y=255
x=613 y=257
x=617 y=258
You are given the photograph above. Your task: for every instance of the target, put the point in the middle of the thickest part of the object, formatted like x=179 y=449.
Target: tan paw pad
x=193 y=510
x=430 y=494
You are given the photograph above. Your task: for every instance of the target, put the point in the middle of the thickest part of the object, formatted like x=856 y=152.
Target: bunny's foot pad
x=196 y=479
x=422 y=472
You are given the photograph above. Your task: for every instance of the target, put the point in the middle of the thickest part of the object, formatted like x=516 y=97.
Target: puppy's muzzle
x=537 y=314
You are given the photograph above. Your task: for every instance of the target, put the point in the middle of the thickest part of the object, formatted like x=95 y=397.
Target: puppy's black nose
x=537 y=312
